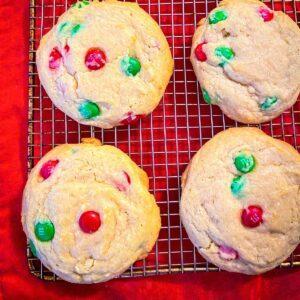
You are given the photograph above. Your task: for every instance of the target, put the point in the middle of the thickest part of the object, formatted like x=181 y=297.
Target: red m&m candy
x=252 y=216
x=48 y=168
x=89 y=221
x=227 y=253
x=131 y=118
x=266 y=14
x=127 y=177
x=200 y=54
x=124 y=184
x=95 y=59
x=67 y=48
x=55 y=59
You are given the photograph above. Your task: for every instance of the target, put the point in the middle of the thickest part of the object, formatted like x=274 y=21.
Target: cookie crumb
x=92 y=141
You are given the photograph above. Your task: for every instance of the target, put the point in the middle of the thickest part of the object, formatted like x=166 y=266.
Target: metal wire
x=163 y=143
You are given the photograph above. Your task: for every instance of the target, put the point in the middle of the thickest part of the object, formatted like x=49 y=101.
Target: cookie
x=88 y=213
x=240 y=202
x=105 y=63
x=247 y=59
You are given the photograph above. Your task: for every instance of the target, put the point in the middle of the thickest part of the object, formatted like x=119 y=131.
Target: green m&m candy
x=75 y=29
x=206 y=96
x=225 y=54
x=218 y=16
x=63 y=26
x=80 y=4
x=44 y=230
x=32 y=248
x=89 y=110
x=244 y=162
x=68 y=28
x=130 y=66
x=268 y=102
x=237 y=186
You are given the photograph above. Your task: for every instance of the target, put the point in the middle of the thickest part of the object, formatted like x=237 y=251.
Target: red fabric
x=15 y=278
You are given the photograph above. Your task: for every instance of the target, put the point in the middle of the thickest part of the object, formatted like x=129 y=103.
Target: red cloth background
x=16 y=282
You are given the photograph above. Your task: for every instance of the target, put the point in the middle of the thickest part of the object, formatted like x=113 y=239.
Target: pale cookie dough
x=240 y=202
x=105 y=63
x=88 y=212
x=247 y=60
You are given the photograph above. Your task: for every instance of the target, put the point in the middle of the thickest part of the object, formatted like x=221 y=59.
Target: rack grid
x=162 y=143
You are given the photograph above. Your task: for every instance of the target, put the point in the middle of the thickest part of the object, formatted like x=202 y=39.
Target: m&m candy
x=237 y=186
x=266 y=14
x=199 y=53
x=89 y=110
x=55 y=59
x=225 y=54
x=227 y=253
x=95 y=59
x=89 y=221
x=244 y=162
x=131 y=118
x=44 y=230
x=123 y=185
x=218 y=16
x=268 y=103
x=48 y=168
x=252 y=216
x=130 y=66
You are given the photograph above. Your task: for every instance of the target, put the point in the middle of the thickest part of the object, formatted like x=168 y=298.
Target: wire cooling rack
x=163 y=143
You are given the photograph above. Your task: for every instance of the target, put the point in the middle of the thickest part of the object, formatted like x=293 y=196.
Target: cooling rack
x=163 y=143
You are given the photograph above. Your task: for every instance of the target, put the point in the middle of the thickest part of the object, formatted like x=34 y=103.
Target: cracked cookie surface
x=247 y=59
x=250 y=225
x=88 y=213
x=105 y=63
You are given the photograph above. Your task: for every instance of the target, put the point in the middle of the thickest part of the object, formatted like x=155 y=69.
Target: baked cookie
x=105 y=63
x=88 y=213
x=240 y=203
x=247 y=60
